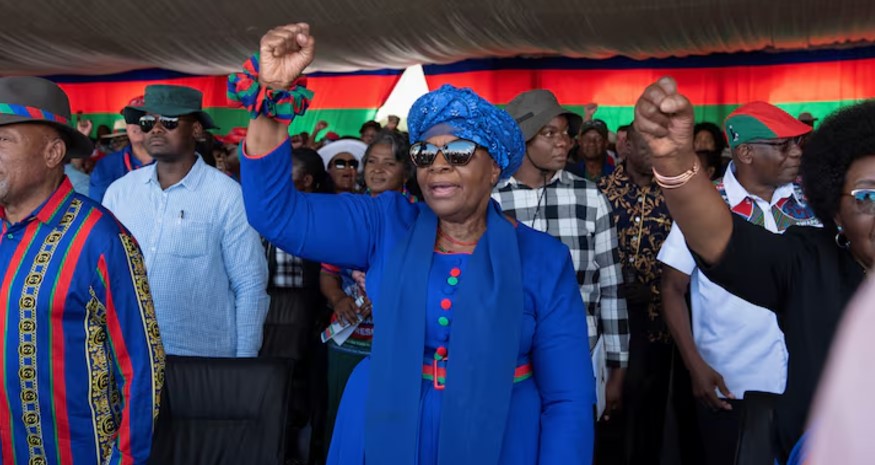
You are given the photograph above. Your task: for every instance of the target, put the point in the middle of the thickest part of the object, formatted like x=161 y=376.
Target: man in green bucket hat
x=207 y=269
x=171 y=101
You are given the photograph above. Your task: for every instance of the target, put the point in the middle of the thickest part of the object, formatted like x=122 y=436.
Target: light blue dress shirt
x=79 y=179
x=206 y=266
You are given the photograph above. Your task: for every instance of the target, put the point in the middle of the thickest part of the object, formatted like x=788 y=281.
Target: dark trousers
x=635 y=435
x=646 y=399
x=687 y=440
x=719 y=431
x=291 y=330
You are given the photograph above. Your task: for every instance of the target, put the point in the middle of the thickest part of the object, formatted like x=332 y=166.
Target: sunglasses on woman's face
x=457 y=153
x=148 y=122
x=344 y=164
x=864 y=200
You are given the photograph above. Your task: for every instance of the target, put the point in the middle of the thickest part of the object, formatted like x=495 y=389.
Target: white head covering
x=353 y=147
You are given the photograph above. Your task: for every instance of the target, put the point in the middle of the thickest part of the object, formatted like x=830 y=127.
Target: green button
x=444 y=321
x=10 y=236
x=452 y=280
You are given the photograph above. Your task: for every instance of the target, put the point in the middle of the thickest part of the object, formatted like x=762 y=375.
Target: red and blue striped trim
x=30 y=112
x=63 y=283
x=123 y=363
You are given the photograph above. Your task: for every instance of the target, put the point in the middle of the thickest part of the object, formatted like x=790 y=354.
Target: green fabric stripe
x=60 y=206
x=342 y=121
x=348 y=121
x=618 y=116
x=247 y=93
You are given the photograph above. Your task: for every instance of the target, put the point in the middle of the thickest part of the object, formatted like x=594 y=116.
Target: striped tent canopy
x=817 y=82
x=345 y=100
x=803 y=54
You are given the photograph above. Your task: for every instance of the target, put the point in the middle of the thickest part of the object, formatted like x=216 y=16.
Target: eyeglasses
x=342 y=164
x=782 y=145
x=148 y=122
x=457 y=153
x=864 y=200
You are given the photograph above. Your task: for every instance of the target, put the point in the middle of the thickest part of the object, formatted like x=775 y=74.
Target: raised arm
x=337 y=229
x=284 y=53
x=664 y=118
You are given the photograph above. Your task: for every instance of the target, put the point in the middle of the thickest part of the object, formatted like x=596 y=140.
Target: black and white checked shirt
x=575 y=211
x=289 y=273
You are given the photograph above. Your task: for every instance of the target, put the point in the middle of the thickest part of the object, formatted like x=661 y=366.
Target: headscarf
x=470 y=117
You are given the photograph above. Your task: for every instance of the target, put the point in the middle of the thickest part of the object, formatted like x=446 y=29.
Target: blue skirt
x=521 y=436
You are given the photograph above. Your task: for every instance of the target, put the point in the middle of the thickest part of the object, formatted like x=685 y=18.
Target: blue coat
x=551 y=415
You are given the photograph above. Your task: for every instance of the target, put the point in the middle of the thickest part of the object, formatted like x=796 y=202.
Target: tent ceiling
x=214 y=36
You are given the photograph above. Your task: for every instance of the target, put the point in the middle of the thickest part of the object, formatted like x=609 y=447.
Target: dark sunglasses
x=457 y=153
x=783 y=144
x=343 y=164
x=148 y=122
x=864 y=200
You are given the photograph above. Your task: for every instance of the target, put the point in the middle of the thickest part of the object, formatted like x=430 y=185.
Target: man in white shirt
x=732 y=346
x=206 y=265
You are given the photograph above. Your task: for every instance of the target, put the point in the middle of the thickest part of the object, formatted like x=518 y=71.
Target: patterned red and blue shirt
x=83 y=363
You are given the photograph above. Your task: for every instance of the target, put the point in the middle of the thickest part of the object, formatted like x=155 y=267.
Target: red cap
x=761 y=121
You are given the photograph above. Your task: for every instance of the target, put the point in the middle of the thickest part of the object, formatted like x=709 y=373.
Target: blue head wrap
x=473 y=118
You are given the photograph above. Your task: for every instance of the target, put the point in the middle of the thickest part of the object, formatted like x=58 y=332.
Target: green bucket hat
x=167 y=100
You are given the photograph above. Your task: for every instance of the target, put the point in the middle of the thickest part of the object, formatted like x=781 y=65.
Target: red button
x=455 y=272
x=442 y=351
x=446 y=304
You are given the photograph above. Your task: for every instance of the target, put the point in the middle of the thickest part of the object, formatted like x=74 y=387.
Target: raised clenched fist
x=665 y=119
x=84 y=126
x=284 y=54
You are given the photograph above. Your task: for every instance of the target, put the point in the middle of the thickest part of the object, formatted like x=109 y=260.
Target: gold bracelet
x=674 y=182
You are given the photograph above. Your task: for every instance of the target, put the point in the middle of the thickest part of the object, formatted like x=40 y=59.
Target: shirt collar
x=191 y=181
x=736 y=193
x=46 y=211
x=561 y=176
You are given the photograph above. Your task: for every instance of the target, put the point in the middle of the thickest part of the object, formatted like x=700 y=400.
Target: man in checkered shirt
x=545 y=197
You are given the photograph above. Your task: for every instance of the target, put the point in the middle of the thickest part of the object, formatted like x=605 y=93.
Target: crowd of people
x=497 y=286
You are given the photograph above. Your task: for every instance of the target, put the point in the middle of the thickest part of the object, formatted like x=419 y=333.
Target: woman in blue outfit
x=480 y=351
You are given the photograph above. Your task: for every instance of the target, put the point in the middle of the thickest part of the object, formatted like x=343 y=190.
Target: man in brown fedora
x=83 y=361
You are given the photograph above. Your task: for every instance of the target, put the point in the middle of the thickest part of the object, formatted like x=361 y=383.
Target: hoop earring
x=842 y=240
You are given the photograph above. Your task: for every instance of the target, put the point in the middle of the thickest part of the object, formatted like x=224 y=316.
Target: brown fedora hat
x=37 y=100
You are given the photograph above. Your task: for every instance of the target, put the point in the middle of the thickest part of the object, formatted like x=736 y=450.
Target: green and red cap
x=761 y=121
